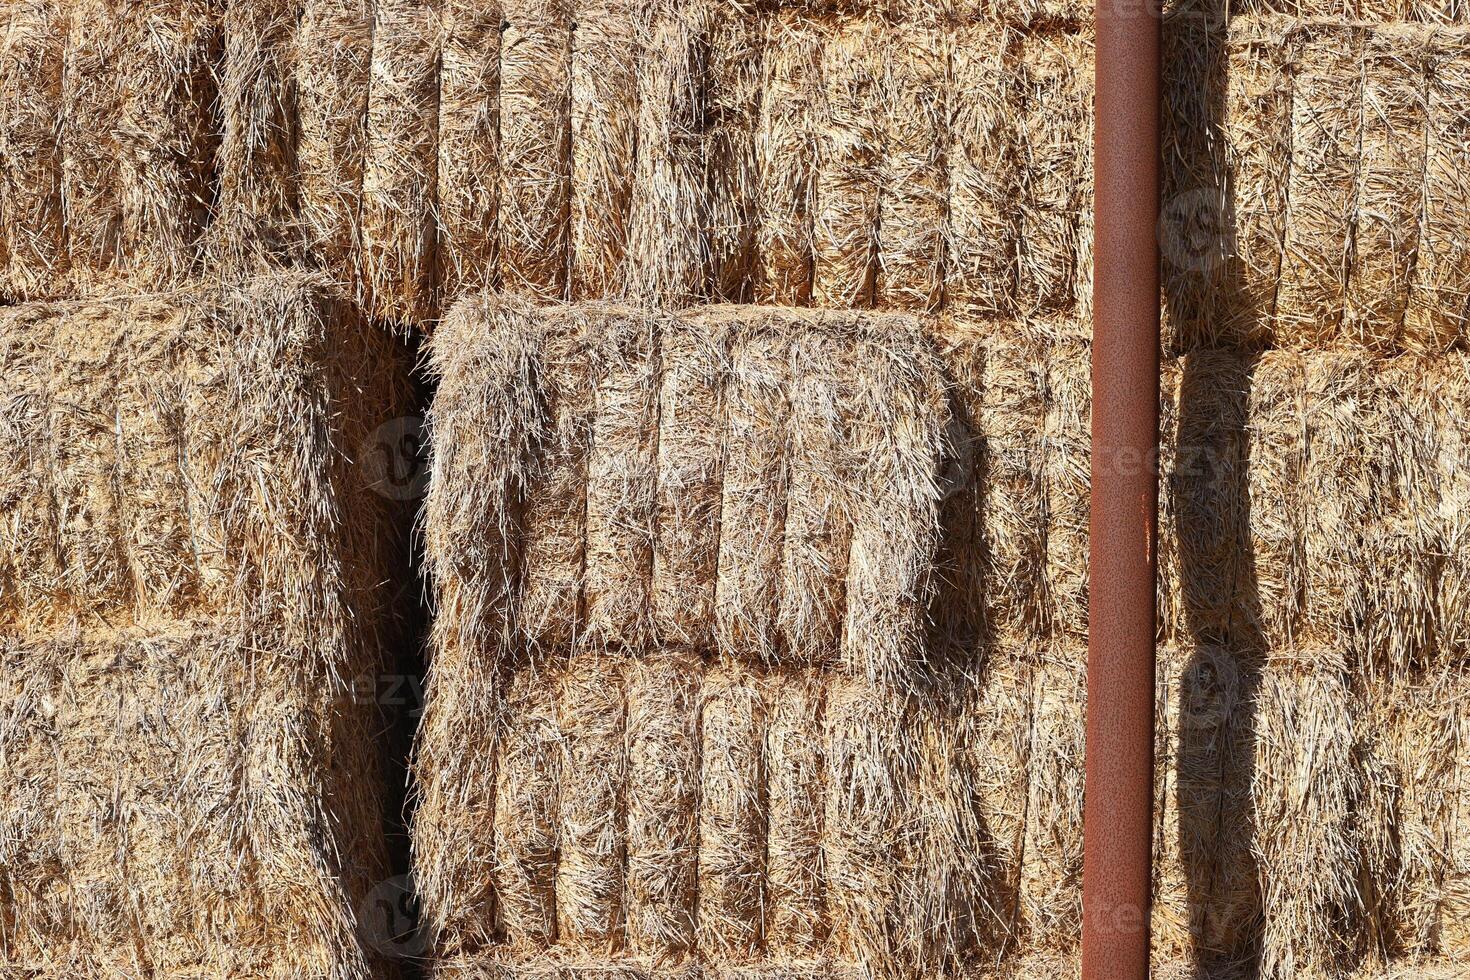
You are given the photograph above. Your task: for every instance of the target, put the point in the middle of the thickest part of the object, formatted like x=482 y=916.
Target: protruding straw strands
x=468 y=168
x=737 y=45
x=786 y=152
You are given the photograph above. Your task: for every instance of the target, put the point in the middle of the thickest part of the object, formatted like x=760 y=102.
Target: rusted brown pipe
x=1118 y=811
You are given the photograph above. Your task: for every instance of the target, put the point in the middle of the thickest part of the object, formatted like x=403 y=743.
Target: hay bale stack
x=333 y=75
x=849 y=160
x=535 y=150
x=400 y=160
x=786 y=148
x=33 y=253
x=467 y=196
x=180 y=735
x=667 y=244
x=604 y=145
x=982 y=230
x=691 y=780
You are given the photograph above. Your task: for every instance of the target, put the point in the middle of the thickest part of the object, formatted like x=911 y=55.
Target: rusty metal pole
x=1118 y=812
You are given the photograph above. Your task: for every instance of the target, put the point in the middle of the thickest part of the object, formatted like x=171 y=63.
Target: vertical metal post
x=1118 y=820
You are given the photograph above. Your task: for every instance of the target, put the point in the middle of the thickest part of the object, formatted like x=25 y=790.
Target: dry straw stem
x=535 y=147
x=1306 y=786
x=667 y=242
x=753 y=510
x=664 y=745
x=982 y=230
x=817 y=537
x=604 y=144
x=850 y=137
x=591 y=842
x=917 y=87
x=257 y=222
x=1390 y=186
x=399 y=177
x=622 y=471
x=33 y=253
x=737 y=47
x=691 y=440
x=732 y=814
x=1439 y=296
x=1321 y=182
x=333 y=66
x=1065 y=479
x=468 y=169
x=796 y=920
x=1258 y=130
x=786 y=152
x=1053 y=136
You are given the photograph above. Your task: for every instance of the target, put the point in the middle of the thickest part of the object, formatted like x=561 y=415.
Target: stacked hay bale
x=1311 y=247
x=191 y=572
x=689 y=642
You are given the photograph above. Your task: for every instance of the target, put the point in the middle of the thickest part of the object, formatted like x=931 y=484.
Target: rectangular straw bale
x=1051 y=868
x=591 y=824
x=1389 y=187
x=737 y=48
x=897 y=435
x=90 y=112
x=622 y=469
x=960 y=566
x=468 y=165
x=818 y=528
x=916 y=92
x=33 y=259
x=165 y=130
x=1275 y=459
x=691 y=434
x=1054 y=130
x=1305 y=788
x=795 y=921
x=157 y=536
x=1065 y=480
x=399 y=175
x=849 y=164
x=663 y=699
x=333 y=71
x=1194 y=237
x=982 y=229
x=527 y=810
x=604 y=144
x=752 y=511
x=1013 y=417
x=870 y=778
x=535 y=147
x=1201 y=527
x=1334 y=501
x=554 y=556
x=667 y=245
x=1437 y=303
x=732 y=824
x=1259 y=140
x=257 y=220
x=32 y=569
x=786 y=151
x=1326 y=126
